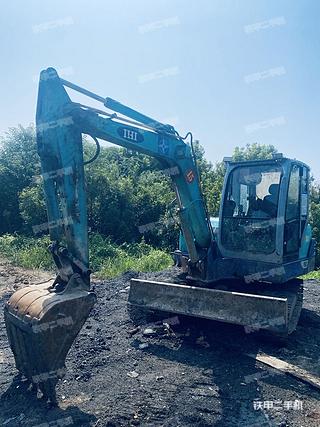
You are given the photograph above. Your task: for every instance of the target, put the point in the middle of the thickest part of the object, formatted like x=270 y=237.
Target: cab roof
x=273 y=161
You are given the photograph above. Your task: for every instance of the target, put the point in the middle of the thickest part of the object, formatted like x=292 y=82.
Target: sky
x=232 y=72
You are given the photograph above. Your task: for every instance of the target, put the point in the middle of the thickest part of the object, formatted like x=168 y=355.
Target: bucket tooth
x=41 y=327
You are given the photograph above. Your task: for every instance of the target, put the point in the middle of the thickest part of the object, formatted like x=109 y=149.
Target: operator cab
x=264 y=211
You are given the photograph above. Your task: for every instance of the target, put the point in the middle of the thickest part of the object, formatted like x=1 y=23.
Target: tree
x=126 y=190
x=19 y=163
x=32 y=207
x=254 y=151
x=315 y=215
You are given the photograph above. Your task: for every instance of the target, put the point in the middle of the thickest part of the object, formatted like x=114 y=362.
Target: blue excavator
x=241 y=268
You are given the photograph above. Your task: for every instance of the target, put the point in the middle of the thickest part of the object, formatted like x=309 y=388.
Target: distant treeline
x=126 y=191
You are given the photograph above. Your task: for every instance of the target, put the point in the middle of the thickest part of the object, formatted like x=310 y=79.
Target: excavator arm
x=60 y=125
x=43 y=321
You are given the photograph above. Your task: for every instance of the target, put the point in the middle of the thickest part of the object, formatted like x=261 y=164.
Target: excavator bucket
x=255 y=311
x=42 y=321
x=41 y=327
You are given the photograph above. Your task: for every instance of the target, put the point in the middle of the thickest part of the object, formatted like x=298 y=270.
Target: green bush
x=312 y=275
x=26 y=252
x=106 y=259
x=32 y=207
x=109 y=260
x=100 y=249
x=156 y=260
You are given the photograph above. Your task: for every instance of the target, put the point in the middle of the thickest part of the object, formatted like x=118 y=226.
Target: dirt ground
x=184 y=372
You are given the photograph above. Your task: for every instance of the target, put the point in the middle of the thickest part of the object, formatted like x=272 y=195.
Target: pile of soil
x=166 y=371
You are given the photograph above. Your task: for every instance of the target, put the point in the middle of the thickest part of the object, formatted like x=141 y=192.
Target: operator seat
x=270 y=202
x=229 y=208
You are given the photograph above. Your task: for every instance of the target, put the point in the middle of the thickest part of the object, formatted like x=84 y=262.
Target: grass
x=106 y=259
x=26 y=252
x=312 y=275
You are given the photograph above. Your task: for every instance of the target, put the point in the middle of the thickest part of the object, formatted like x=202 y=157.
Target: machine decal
x=190 y=176
x=130 y=134
x=163 y=145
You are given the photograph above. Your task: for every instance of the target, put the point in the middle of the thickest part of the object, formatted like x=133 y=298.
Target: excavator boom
x=43 y=321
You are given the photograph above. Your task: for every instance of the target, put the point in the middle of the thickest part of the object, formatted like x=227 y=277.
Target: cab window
x=250 y=209
x=296 y=209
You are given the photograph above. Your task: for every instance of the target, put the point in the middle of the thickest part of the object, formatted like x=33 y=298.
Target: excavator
x=241 y=268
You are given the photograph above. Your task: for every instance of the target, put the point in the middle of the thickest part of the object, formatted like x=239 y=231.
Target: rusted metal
x=42 y=325
x=256 y=311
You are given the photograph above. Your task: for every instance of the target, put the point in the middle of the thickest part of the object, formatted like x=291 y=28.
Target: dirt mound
x=166 y=371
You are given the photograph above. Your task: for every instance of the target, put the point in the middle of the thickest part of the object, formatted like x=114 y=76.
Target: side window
x=304 y=194
x=293 y=212
x=293 y=201
x=243 y=198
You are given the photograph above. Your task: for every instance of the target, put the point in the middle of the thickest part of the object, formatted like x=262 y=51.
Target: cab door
x=296 y=210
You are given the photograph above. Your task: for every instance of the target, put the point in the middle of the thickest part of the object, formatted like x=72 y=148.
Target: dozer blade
x=275 y=314
x=41 y=327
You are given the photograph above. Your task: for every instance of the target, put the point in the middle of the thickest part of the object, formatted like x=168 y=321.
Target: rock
x=132 y=374
x=133 y=331
x=143 y=345
x=206 y=392
x=149 y=331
